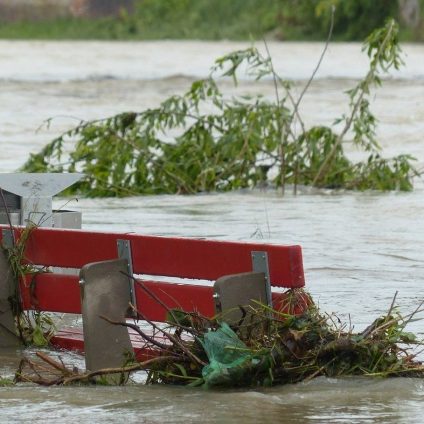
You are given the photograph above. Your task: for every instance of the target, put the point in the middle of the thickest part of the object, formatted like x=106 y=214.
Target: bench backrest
x=152 y=256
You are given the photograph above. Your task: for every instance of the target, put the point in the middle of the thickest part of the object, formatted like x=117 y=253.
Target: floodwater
x=359 y=248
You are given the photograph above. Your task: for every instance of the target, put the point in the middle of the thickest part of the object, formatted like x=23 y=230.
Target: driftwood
x=50 y=372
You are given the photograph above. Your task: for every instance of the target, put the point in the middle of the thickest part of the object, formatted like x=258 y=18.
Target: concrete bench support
x=232 y=291
x=105 y=292
x=8 y=336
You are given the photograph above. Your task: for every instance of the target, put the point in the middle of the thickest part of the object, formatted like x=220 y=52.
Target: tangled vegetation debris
x=202 y=141
x=267 y=347
x=34 y=327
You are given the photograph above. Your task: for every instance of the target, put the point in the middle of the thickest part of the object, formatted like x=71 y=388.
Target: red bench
x=152 y=257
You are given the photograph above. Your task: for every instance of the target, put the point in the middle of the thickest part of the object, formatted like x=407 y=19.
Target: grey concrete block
x=105 y=292
x=231 y=291
x=8 y=333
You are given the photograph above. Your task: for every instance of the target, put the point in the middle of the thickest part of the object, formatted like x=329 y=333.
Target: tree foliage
x=285 y=19
x=202 y=141
x=217 y=19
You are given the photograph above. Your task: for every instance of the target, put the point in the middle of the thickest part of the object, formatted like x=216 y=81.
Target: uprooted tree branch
x=202 y=141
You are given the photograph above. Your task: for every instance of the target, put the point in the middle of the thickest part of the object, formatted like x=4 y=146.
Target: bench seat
x=72 y=339
x=156 y=261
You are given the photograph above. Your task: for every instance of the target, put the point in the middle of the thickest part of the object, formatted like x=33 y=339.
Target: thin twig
x=389 y=312
x=139 y=331
x=274 y=74
x=107 y=371
x=318 y=65
x=275 y=78
x=410 y=316
x=349 y=121
x=172 y=338
x=57 y=365
x=159 y=301
x=305 y=89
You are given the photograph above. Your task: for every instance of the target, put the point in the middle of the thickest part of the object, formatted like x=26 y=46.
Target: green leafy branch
x=203 y=141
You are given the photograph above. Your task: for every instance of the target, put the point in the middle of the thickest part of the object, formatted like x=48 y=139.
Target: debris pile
x=266 y=347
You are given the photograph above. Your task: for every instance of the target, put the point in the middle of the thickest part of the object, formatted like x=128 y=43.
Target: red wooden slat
x=152 y=255
x=187 y=297
x=61 y=293
x=73 y=338
x=52 y=292
x=69 y=341
x=207 y=259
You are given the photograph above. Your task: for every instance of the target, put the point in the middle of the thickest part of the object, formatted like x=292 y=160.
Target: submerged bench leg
x=8 y=334
x=105 y=292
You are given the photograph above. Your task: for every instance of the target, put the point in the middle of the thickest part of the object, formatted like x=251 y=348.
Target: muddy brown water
x=359 y=248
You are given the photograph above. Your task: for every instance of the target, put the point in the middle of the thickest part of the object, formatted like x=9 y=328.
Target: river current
x=358 y=248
